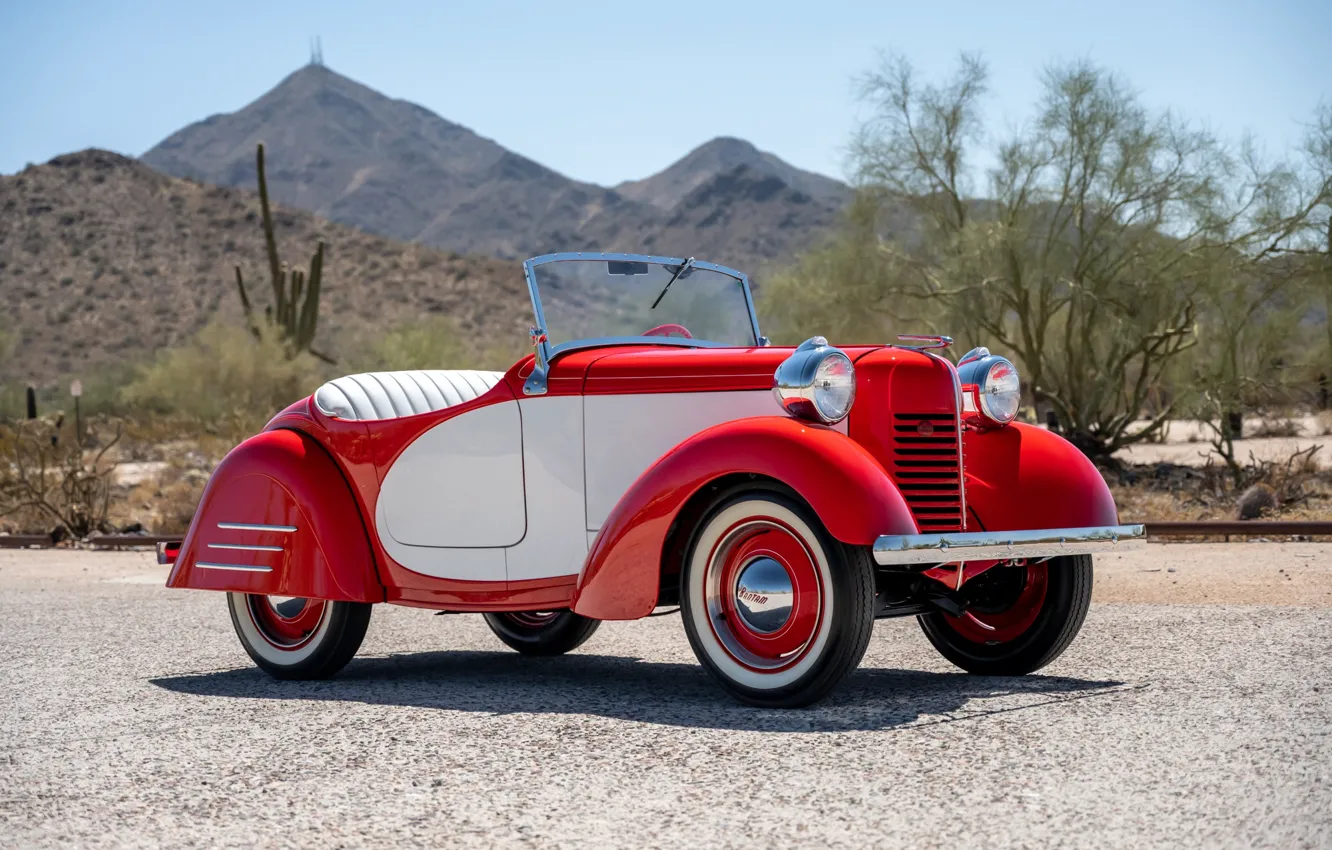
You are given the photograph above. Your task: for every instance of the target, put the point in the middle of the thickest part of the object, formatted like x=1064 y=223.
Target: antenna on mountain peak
x=316 y=51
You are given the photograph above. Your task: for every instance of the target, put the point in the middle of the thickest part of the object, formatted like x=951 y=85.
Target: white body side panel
x=443 y=562
x=518 y=490
x=460 y=484
x=625 y=434
x=555 y=544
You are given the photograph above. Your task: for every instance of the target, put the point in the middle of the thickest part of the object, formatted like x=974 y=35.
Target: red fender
x=840 y=480
x=282 y=479
x=1021 y=476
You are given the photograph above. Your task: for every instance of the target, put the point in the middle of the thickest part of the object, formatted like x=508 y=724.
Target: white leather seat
x=386 y=395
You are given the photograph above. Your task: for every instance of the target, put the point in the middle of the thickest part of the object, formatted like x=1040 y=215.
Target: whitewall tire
x=774 y=608
x=292 y=638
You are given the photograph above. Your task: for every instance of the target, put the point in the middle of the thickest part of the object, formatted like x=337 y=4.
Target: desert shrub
x=224 y=378
x=436 y=342
x=1278 y=428
x=433 y=343
x=52 y=479
x=1291 y=480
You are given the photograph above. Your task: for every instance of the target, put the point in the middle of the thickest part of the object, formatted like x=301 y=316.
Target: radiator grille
x=925 y=467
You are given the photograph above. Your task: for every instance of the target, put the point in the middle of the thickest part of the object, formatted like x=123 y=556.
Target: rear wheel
x=542 y=632
x=1018 y=619
x=295 y=638
x=775 y=608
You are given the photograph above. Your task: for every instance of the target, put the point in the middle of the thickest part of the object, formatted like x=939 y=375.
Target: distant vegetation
x=294 y=314
x=1137 y=268
x=224 y=378
x=1131 y=264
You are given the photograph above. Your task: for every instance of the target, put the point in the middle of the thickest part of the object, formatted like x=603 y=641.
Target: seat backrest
x=386 y=395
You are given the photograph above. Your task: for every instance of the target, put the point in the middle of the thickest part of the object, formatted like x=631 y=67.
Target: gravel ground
x=130 y=717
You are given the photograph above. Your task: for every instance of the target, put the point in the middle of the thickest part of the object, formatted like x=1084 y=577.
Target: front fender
x=1024 y=477
x=841 y=481
x=277 y=518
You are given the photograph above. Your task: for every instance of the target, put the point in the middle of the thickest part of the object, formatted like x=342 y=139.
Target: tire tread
x=564 y=634
x=855 y=602
x=1046 y=641
x=346 y=630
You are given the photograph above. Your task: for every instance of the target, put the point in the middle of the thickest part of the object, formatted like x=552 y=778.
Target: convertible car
x=655 y=452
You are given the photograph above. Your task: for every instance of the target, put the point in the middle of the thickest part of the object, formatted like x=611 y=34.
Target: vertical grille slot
x=927 y=469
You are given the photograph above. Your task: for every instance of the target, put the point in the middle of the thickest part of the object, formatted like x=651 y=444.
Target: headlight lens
x=834 y=387
x=817 y=382
x=991 y=389
x=1001 y=392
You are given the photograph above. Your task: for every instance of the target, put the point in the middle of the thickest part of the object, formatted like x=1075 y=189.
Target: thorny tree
x=46 y=474
x=1085 y=258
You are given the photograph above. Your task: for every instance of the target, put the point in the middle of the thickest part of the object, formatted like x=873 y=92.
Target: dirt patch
x=1256 y=573
x=1195 y=454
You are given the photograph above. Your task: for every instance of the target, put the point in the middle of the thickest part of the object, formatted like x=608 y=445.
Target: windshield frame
x=548 y=351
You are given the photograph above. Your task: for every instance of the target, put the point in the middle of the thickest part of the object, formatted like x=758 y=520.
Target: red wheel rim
x=764 y=594
x=1011 y=622
x=532 y=619
x=286 y=622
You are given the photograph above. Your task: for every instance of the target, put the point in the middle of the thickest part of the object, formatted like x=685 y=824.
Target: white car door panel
x=479 y=564
x=625 y=434
x=458 y=486
x=555 y=543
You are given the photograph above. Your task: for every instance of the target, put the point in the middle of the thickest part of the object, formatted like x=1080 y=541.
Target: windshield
x=625 y=297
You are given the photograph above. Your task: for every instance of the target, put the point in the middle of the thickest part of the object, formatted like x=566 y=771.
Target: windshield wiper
x=684 y=267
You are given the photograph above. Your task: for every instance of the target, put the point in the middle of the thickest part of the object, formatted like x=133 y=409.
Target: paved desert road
x=1194 y=710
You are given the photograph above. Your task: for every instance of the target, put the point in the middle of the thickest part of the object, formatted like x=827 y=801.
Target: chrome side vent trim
x=244 y=547
x=249 y=526
x=239 y=568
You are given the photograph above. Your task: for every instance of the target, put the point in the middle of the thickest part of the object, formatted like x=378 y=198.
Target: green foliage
x=1089 y=256
x=295 y=308
x=837 y=290
x=433 y=343
x=225 y=378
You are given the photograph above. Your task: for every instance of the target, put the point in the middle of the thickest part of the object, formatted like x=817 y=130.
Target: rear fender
x=1024 y=477
x=277 y=518
x=841 y=481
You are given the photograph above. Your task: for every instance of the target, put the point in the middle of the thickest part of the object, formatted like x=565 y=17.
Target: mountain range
x=358 y=157
x=105 y=259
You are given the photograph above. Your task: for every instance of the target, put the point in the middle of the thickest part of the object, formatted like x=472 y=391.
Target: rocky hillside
x=104 y=260
x=355 y=156
x=667 y=188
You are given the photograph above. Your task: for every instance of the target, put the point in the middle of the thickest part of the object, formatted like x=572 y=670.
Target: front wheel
x=775 y=608
x=542 y=632
x=1018 y=619
x=295 y=638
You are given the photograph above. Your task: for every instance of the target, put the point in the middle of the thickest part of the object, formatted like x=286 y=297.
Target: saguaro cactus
x=294 y=312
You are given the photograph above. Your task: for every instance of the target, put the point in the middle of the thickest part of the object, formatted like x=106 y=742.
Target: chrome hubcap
x=764 y=595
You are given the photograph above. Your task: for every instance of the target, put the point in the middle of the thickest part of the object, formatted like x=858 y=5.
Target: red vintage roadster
x=655 y=451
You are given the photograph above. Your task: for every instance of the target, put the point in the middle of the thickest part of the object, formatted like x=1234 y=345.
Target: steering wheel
x=668 y=329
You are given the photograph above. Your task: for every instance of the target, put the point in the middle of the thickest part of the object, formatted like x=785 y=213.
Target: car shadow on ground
x=649 y=692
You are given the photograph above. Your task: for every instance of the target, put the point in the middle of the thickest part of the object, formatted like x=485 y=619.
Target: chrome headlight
x=817 y=382
x=991 y=389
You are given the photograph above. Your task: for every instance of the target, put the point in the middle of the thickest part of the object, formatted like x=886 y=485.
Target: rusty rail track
x=1249 y=528
x=100 y=541
x=1205 y=528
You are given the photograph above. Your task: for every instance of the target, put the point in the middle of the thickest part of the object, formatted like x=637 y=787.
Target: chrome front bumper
x=897 y=549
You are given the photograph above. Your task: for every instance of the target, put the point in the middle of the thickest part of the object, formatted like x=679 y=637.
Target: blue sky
x=612 y=91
